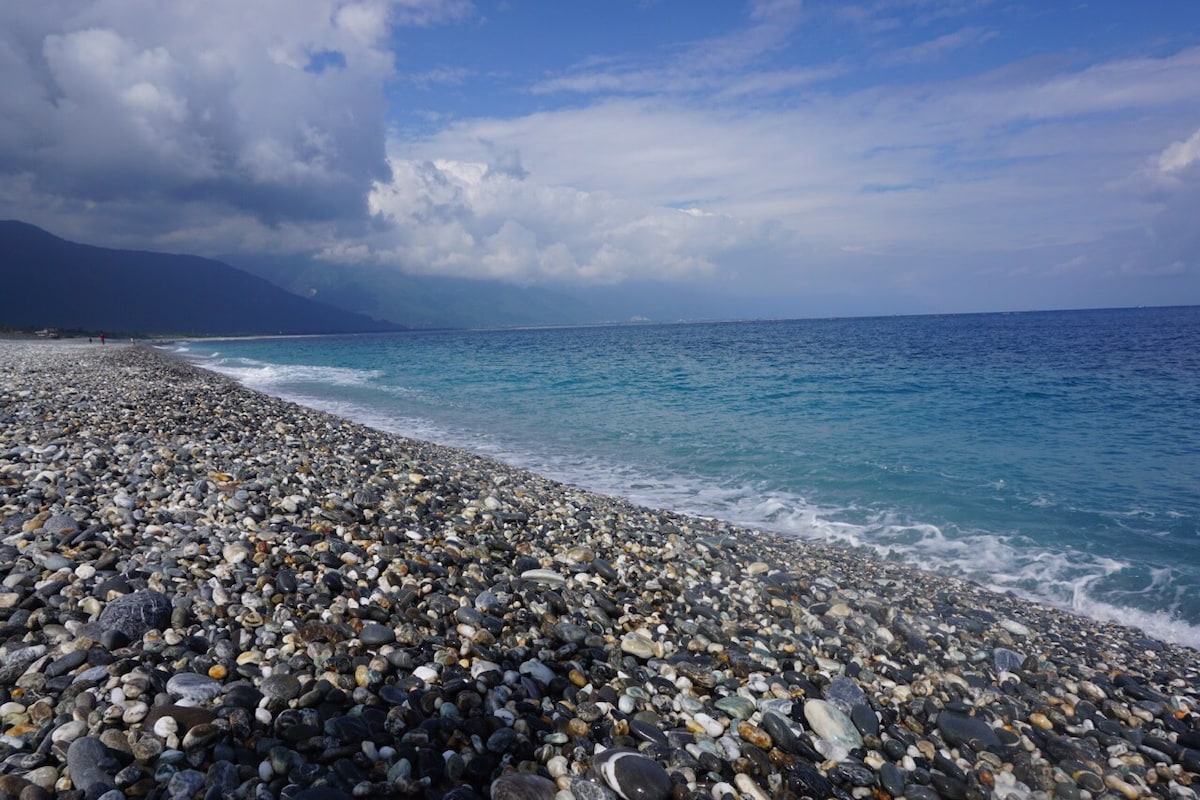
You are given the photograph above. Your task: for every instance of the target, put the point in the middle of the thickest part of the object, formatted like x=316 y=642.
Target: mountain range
x=53 y=283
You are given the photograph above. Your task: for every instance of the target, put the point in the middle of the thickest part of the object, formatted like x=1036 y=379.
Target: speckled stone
x=519 y=786
x=828 y=722
x=192 y=689
x=91 y=767
x=135 y=614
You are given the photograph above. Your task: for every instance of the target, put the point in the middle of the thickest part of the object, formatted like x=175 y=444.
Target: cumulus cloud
x=227 y=125
x=474 y=219
x=1011 y=164
x=271 y=110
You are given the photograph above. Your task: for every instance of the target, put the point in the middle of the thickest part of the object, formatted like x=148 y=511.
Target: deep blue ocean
x=1052 y=454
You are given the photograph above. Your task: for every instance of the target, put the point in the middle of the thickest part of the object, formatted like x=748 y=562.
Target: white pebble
x=166 y=726
x=557 y=766
x=135 y=712
x=710 y=725
x=69 y=731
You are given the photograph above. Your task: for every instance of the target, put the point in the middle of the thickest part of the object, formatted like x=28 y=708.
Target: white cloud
x=468 y=218
x=939 y=47
x=1010 y=162
x=273 y=110
x=720 y=63
x=228 y=125
x=1179 y=156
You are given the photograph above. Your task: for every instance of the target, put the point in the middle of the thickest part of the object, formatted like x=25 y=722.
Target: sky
x=797 y=158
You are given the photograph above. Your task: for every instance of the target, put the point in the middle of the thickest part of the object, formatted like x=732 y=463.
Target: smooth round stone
x=278 y=686
x=201 y=736
x=184 y=784
x=92 y=674
x=584 y=789
x=865 y=719
x=830 y=723
x=373 y=634
x=426 y=673
x=604 y=569
x=60 y=524
x=70 y=661
x=538 y=671
x=242 y=695
x=844 y=694
x=736 y=706
x=69 y=731
x=780 y=732
x=633 y=776
x=192 y=688
x=520 y=786
x=637 y=647
x=502 y=740
x=135 y=614
x=392 y=694
x=1007 y=660
x=1014 y=627
x=235 y=553
x=960 y=728
x=87 y=763
x=147 y=748
x=891 y=779
x=543 y=576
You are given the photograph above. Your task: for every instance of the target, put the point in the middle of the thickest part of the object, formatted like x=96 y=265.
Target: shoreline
x=404 y=618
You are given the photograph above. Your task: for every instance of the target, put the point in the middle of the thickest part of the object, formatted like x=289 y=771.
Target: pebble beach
x=206 y=592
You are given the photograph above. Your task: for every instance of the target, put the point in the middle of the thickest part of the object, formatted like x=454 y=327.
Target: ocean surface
x=1053 y=454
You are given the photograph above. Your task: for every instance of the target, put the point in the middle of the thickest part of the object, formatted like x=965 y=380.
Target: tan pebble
x=927 y=749
x=35 y=523
x=1041 y=721
x=249 y=657
x=578 y=728
x=578 y=678
x=1114 y=782
x=217 y=672
x=755 y=736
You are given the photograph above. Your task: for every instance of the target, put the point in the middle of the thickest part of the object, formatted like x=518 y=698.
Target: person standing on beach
x=101 y=338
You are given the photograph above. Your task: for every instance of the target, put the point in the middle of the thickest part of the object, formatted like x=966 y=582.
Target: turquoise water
x=1055 y=455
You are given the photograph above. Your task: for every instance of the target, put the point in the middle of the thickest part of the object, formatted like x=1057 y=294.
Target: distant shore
x=208 y=587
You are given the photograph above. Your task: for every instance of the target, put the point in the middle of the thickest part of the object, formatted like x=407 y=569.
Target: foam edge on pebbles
x=206 y=592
